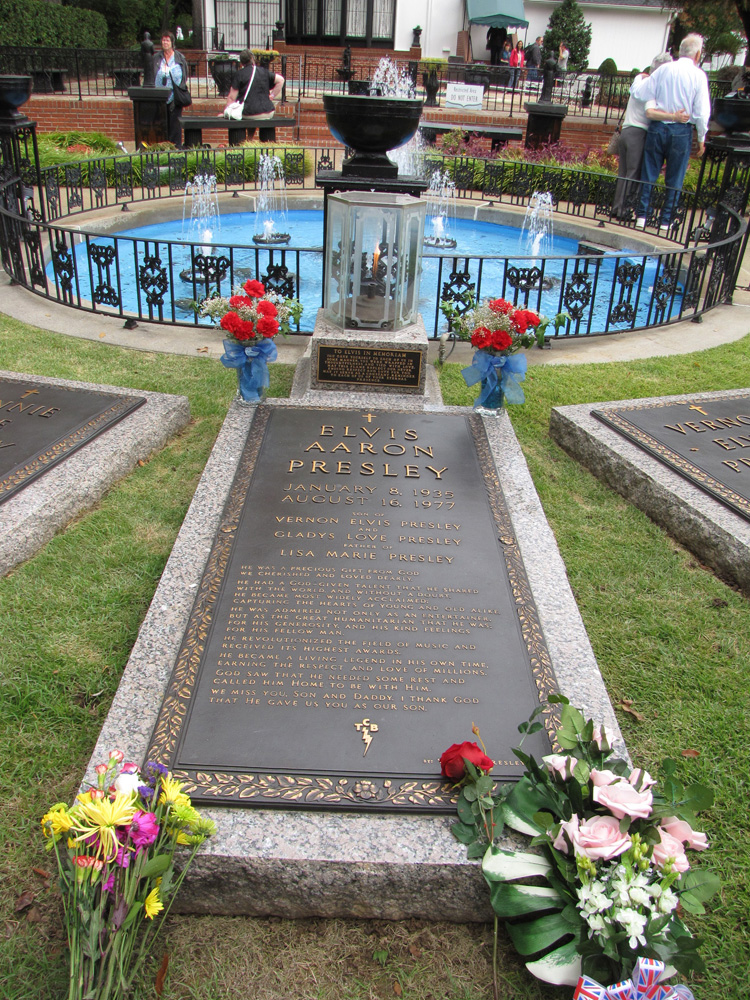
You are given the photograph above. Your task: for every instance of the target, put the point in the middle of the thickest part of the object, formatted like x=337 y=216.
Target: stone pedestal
x=393 y=362
x=149 y=114
x=544 y=123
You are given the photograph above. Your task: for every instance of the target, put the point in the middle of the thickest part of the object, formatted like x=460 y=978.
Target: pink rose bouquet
x=115 y=849
x=612 y=849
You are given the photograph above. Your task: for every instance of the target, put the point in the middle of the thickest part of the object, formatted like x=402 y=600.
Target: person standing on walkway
x=171 y=71
x=534 y=60
x=517 y=61
x=638 y=117
x=674 y=86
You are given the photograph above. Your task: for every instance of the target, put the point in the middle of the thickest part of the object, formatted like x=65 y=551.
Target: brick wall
x=114 y=117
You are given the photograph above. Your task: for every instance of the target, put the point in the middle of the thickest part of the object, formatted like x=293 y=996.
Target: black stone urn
x=14 y=91
x=732 y=113
x=371 y=126
x=223 y=70
x=431 y=83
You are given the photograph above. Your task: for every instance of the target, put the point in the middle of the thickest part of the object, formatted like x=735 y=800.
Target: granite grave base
x=298 y=863
x=715 y=534
x=33 y=515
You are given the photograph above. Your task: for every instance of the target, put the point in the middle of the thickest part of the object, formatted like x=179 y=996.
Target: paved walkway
x=720 y=326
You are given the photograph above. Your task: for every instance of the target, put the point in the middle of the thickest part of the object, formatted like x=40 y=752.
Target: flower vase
x=492 y=396
x=248 y=388
x=251 y=360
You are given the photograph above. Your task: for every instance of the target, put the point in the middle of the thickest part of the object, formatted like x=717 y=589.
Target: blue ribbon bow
x=252 y=362
x=485 y=368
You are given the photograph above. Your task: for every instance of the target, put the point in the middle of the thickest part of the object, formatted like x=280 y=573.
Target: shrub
x=36 y=23
x=608 y=68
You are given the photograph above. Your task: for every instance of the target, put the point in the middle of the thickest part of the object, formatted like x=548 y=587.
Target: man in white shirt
x=674 y=86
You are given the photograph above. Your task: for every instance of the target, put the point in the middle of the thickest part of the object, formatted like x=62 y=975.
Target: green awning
x=497 y=13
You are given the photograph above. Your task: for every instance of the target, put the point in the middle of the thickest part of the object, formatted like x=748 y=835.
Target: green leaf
x=692 y=904
x=501 y=866
x=133 y=912
x=484 y=786
x=156 y=866
x=464 y=810
x=699 y=884
x=470 y=793
x=509 y=901
x=463 y=833
x=536 y=935
x=698 y=797
x=475 y=851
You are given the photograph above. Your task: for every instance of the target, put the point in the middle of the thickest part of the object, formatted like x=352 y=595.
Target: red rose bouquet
x=498 y=330
x=252 y=317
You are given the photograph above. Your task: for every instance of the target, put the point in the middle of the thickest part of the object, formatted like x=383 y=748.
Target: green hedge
x=34 y=22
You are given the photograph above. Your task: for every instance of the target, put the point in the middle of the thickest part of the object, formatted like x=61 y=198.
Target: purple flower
x=143 y=828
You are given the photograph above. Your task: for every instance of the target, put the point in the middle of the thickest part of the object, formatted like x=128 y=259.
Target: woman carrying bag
x=260 y=88
x=171 y=70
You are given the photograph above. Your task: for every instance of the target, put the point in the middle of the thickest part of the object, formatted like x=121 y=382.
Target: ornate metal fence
x=601 y=292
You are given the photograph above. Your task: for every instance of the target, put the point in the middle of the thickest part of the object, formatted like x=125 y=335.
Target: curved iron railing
x=602 y=292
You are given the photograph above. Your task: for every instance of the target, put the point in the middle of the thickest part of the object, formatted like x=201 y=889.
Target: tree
x=716 y=20
x=567 y=25
x=126 y=19
x=721 y=23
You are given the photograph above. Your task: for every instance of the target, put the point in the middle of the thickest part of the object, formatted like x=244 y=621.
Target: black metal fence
x=109 y=72
x=601 y=292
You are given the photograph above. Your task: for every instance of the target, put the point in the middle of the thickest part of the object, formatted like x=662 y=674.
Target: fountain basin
x=371 y=126
x=732 y=113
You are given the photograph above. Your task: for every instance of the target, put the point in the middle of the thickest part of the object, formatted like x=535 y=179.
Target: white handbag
x=236 y=108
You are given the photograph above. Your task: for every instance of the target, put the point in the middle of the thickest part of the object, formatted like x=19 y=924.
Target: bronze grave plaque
x=364 y=603
x=705 y=440
x=41 y=424
x=388 y=366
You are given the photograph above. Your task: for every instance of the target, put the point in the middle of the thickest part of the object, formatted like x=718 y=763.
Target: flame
x=375 y=259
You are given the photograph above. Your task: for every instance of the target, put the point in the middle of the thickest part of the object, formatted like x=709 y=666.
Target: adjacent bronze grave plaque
x=391 y=366
x=364 y=604
x=42 y=424
x=706 y=440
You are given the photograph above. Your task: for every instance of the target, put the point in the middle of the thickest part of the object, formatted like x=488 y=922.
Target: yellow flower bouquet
x=115 y=850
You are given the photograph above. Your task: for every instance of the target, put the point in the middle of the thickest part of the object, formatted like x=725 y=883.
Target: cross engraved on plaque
x=367 y=728
x=698 y=408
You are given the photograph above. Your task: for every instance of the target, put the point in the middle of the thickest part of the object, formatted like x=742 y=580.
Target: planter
x=14 y=91
x=223 y=70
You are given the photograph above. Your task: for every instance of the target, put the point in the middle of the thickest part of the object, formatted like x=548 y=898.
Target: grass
x=669 y=637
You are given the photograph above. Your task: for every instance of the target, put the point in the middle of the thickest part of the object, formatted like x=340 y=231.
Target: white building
x=630 y=33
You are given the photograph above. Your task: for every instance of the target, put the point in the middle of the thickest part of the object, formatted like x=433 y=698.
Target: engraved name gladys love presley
x=358 y=605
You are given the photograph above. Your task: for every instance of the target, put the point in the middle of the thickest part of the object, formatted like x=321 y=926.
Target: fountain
x=441 y=209
x=205 y=221
x=271 y=204
x=371 y=124
x=536 y=232
x=536 y=235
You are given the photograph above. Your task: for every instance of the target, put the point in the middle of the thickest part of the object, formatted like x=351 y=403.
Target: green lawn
x=669 y=637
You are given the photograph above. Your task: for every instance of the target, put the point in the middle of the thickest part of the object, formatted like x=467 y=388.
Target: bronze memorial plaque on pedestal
x=41 y=424
x=365 y=603
x=705 y=440
x=390 y=366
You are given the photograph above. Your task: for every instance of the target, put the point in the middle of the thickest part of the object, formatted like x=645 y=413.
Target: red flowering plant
x=606 y=890
x=252 y=317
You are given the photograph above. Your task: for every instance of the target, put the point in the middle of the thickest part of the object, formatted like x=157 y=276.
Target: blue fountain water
x=306 y=228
